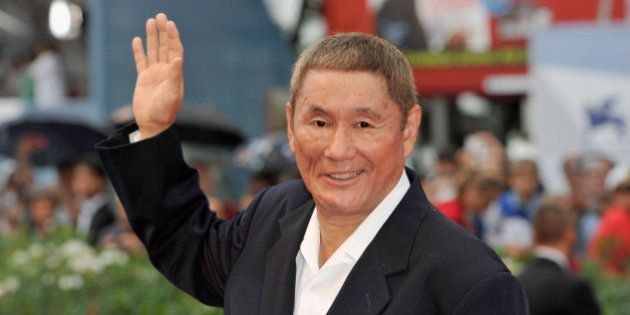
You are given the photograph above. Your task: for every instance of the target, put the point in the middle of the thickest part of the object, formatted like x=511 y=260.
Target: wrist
x=145 y=132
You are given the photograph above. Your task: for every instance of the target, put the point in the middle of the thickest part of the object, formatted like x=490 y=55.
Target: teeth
x=345 y=176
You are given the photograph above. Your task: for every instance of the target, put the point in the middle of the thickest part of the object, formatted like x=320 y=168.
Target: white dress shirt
x=315 y=287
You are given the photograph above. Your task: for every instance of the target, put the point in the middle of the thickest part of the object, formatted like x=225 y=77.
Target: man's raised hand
x=160 y=84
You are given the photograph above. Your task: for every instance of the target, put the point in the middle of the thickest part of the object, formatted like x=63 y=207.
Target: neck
x=334 y=231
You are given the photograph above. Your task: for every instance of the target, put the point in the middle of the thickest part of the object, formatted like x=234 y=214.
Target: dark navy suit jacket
x=418 y=263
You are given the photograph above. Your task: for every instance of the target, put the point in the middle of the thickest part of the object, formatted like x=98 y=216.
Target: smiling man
x=355 y=236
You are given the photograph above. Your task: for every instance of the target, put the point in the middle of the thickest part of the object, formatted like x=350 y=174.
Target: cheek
x=310 y=140
x=307 y=147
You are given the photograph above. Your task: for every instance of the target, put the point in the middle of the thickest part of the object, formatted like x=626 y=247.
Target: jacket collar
x=365 y=291
x=278 y=292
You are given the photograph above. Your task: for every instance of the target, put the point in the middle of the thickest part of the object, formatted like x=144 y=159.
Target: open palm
x=160 y=84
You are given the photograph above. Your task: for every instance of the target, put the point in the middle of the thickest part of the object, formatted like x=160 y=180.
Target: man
x=549 y=285
x=356 y=236
x=507 y=222
x=90 y=186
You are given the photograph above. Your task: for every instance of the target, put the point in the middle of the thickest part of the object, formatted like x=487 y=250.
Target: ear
x=288 y=109
x=412 y=127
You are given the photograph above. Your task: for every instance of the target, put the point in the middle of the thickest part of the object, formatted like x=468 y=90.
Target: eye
x=363 y=124
x=319 y=123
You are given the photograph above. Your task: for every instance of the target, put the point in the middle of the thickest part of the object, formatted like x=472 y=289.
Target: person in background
x=12 y=204
x=475 y=192
x=14 y=83
x=611 y=242
x=483 y=152
x=90 y=187
x=593 y=169
x=548 y=282
x=485 y=191
x=441 y=183
x=258 y=182
x=576 y=195
x=120 y=235
x=508 y=221
x=41 y=208
x=224 y=209
x=13 y=197
x=48 y=76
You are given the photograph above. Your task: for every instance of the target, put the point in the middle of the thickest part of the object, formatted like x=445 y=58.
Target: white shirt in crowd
x=315 y=287
x=48 y=79
x=89 y=207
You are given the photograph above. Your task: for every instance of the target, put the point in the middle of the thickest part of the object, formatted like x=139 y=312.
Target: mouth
x=344 y=176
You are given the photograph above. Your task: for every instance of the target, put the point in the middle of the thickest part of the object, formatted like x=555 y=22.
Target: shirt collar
x=353 y=247
x=552 y=254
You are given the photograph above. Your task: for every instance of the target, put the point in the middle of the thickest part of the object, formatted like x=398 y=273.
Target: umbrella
x=268 y=153
x=197 y=124
x=60 y=134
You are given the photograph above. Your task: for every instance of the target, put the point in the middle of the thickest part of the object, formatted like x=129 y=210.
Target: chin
x=332 y=203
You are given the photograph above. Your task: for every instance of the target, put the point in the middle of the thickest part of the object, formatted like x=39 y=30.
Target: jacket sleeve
x=170 y=214
x=499 y=293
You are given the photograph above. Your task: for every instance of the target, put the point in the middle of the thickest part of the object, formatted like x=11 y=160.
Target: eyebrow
x=367 y=112
x=318 y=110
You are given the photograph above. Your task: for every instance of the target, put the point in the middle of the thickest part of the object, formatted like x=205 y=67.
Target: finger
x=152 y=41
x=138 y=54
x=163 y=37
x=177 y=65
x=176 y=49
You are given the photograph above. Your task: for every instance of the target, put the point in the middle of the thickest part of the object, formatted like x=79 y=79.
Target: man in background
x=548 y=282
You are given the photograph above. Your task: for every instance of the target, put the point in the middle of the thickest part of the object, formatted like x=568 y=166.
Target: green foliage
x=612 y=290
x=63 y=275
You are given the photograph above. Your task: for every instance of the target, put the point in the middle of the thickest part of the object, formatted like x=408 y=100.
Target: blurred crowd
x=500 y=200
x=476 y=186
x=79 y=199
x=497 y=199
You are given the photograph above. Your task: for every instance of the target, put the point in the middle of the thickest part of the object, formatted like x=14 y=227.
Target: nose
x=341 y=145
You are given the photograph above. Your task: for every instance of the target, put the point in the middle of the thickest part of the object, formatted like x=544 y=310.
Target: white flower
x=74 y=248
x=53 y=261
x=20 y=258
x=36 y=251
x=113 y=256
x=9 y=285
x=12 y=283
x=71 y=282
x=84 y=262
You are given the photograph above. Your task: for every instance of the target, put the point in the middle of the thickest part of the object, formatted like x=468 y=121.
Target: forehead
x=344 y=89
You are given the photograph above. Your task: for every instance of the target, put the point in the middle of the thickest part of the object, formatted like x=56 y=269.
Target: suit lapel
x=278 y=292
x=366 y=290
